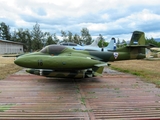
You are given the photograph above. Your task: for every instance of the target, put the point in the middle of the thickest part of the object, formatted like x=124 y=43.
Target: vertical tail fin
x=136 y=48
x=111 y=45
x=94 y=43
x=138 y=38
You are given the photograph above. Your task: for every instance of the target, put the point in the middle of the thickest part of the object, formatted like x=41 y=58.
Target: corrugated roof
x=8 y=41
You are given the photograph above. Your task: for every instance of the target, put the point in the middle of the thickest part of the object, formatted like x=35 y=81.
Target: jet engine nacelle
x=61 y=74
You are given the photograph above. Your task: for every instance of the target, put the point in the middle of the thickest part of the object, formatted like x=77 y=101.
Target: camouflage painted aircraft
x=62 y=62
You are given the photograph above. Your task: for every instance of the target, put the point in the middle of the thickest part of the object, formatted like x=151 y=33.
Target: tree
x=85 y=36
x=4 y=31
x=38 y=39
x=70 y=37
x=102 y=42
x=23 y=36
x=28 y=38
x=49 y=39
x=64 y=35
x=14 y=36
x=124 y=43
x=118 y=43
x=77 y=39
x=152 y=41
x=55 y=38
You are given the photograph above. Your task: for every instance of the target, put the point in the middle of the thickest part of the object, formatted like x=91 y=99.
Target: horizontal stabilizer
x=134 y=46
x=139 y=46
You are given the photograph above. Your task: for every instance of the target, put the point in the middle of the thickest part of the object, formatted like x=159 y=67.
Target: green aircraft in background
x=62 y=62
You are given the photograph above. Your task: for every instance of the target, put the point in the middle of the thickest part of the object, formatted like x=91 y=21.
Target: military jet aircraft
x=92 y=47
x=62 y=62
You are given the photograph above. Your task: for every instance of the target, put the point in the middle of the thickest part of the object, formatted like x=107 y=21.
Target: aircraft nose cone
x=25 y=61
x=19 y=61
x=16 y=61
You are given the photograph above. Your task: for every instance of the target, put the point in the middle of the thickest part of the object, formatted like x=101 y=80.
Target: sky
x=110 y=18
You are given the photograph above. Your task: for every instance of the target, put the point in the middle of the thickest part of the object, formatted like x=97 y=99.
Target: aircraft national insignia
x=115 y=55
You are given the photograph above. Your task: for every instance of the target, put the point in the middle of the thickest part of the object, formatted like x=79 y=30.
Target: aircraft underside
x=63 y=74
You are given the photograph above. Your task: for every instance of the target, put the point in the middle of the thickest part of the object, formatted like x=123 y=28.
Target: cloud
x=40 y=11
x=106 y=17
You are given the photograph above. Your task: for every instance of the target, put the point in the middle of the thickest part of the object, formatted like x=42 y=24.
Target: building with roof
x=10 y=47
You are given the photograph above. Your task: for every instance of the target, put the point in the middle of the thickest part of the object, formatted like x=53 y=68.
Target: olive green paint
x=59 y=61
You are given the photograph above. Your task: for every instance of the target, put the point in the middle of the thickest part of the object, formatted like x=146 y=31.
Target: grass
x=7 y=66
x=3 y=108
x=149 y=70
x=83 y=100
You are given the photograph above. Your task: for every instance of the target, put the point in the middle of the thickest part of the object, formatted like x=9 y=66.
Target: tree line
x=35 y=39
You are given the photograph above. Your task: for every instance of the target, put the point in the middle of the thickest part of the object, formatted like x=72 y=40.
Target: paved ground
x=114 y=96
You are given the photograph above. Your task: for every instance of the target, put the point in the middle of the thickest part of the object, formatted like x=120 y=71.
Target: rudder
x=138 y=38
x=112 y=44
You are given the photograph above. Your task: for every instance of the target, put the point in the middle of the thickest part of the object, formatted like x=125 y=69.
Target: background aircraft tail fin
x=138 y=38
x=111 y=45
x=137 y=46
x=94 y=43
x=137 y=43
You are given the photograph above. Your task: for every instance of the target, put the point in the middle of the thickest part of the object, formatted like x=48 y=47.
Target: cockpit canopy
x=69 y=44
x=53 y=49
